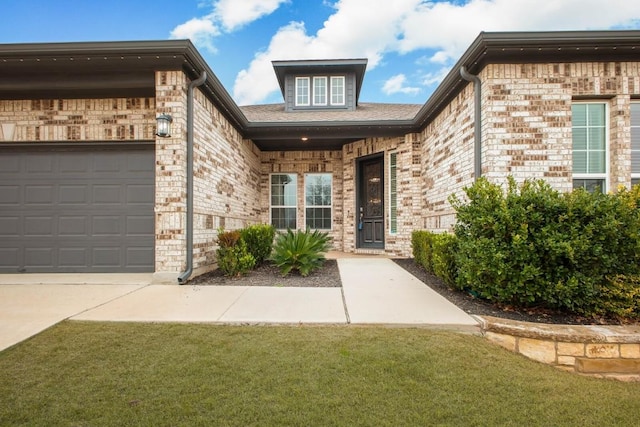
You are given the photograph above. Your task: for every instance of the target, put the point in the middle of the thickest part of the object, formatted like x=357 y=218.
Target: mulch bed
x=328 y=276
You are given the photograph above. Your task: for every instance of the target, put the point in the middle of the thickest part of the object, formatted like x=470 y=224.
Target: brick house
x=86 y=185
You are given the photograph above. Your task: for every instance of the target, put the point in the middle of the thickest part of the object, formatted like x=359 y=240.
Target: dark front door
x=370 y=226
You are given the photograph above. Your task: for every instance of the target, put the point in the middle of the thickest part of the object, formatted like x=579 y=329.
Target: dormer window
x=337 y=90
x=320 y=84
x=302 y=91
x=319 y=91
x=325 y=91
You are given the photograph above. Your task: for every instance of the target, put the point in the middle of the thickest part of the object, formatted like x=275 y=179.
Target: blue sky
x=410 y=44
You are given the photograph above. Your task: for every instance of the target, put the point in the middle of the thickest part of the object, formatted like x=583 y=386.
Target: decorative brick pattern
x=78 y=120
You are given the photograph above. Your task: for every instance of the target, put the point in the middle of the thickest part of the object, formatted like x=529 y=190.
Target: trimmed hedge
x=435 y=252
x=259 y=240
x=533 y=246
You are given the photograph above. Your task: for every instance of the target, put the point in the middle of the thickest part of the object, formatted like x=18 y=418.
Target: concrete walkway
x=374 y=290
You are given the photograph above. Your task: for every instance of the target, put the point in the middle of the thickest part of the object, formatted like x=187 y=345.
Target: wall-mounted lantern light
x=163 y=128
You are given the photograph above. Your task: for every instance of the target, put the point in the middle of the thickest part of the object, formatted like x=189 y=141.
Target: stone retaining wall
x=597 y=350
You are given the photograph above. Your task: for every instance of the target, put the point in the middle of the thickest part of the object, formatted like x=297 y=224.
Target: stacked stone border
x=605 y=351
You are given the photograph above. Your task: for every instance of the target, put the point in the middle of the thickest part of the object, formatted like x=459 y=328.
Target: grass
x=78 y=374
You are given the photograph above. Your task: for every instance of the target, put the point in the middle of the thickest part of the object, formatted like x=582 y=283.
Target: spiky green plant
x=300 y=250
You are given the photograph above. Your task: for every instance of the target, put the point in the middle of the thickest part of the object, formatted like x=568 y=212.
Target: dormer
x=332 y=84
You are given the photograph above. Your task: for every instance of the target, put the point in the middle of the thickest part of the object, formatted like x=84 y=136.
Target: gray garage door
x=81 y=210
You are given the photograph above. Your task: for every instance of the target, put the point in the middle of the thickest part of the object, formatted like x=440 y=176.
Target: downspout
x=184 y=276
x=477 y=132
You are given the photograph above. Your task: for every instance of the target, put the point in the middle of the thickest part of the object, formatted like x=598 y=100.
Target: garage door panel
x=39 y=257
x=38 y=194
x=41 y=226
x=73 y=194
x=107 y=257
x=10 y=226
x=73 y=226
x=72 y=257
x=9 y=195
x=39 y=163
x=9 y=258
x=74 y=163
x=139 y=257
x=84 y=211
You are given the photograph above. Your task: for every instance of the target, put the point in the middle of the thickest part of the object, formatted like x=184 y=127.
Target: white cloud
x=396 y=84
x=358 y=29
x=440 y=29
x=227 y=15
x=449 y=27
x=435 y=77
x=233 y=14
x=201 y=31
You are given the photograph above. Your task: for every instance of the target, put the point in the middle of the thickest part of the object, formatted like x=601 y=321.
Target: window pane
x=589 y=143
x=635 y=181
x=318 y=200
x=579 y=162
x=596 y=139
x=595 y=114
x=318 y=218
x=635 y=114
x=596 y=162
x=337 y=90
x=302 y=90
x=579 y=138
x=579 y=114
x=591 y=185
x=635 y=137
x=283 y=200
x=283 y=218
x=320 y=91
x=393 y=195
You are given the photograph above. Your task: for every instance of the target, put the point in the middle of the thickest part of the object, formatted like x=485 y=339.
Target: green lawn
x=93 y=374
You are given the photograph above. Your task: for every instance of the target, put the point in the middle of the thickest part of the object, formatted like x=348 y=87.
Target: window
x=589 y=146
x=317 y=196
x=337 y=90
x=319 y=91
x=635 y=143
x=393 y=193
x=302 y=90
x=284 y=195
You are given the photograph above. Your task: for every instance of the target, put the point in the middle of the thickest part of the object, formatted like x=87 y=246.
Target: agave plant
x=300 y=250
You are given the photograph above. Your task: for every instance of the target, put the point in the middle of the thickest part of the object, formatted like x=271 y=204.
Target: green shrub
x=435 y=253
x=259 y=240
x=421 y=248
x=233 y=257
x=621 y=297
x=300 y=250
x=443 y=257
x=534 y=246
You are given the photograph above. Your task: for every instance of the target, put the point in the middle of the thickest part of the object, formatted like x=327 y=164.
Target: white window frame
x=286 y=206
x=341 y=94
x=393 y=195
x=635 y=176
x=307 y=177
x=320 y=93
x=603 y=175
x=302 y=92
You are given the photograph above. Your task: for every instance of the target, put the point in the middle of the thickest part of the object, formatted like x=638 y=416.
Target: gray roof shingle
x=275 y=113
